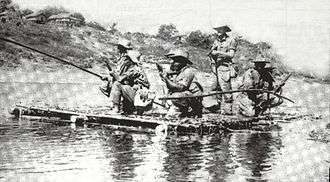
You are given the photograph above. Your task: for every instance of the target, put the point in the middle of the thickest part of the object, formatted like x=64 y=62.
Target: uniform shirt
x=253 y=79
x=225 y=45
x=187 y=81
x=132 y=75
x=122 y=60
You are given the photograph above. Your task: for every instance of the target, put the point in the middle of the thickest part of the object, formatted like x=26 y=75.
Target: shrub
x=25 y=12
x=156 y=50
x=139 y=37
x=53 y=10
x=78 y=16
x=167 y=32
x=96 y=25
x=113 y=28
x=199 y=39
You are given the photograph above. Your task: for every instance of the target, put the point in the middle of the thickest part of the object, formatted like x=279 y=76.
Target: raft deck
x=209 y=124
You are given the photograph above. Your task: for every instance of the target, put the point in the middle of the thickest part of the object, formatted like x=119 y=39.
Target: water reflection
x=253 y=154
x=45 y=152
x=184 y=157
x=219 y=163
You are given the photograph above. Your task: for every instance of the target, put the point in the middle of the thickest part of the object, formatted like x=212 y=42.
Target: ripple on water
x=50 y=151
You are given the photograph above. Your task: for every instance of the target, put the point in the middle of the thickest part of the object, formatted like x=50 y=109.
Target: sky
x=299 y=30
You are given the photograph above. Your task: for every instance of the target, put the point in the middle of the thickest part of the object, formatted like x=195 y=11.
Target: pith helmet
x=125 y=43
x=179 y=53
x=134 y=56
x=224 y=28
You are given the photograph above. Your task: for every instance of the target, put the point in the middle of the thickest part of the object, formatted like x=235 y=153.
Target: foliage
x=113 y=28
x=58 y=41
x=25 y=12
x=199 y=39
x=167 y=32
x=53 y=10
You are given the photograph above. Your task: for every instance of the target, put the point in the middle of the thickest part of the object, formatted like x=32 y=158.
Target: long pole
x=225 y=92
x=49 y=55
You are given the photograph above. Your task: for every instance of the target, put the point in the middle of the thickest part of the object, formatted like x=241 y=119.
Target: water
x=35 y=151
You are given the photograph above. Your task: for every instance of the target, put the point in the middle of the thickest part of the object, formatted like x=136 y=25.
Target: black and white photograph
x=164 y=90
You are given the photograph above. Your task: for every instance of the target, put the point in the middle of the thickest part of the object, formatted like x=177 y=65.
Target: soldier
x=123 y=46
x=129 y=81
x=184 y=83
x=256 y=103
x=222 y=53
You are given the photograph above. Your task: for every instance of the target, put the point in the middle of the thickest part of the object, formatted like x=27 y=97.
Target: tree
x=167 y=32
x=53 y=10
x=199 y=39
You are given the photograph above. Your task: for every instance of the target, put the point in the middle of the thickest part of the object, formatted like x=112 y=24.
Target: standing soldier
x=222 y=53
x=123 y=46
x=183 y=84
x=259 y=77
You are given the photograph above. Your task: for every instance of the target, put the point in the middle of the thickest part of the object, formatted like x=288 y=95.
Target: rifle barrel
x=225 y=92
x=277 y=89
x=49 y=55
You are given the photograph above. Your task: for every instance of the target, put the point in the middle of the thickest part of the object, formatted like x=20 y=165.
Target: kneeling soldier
x=183 y=84
x=256 y=103
x=128 y=82
x=122 y=46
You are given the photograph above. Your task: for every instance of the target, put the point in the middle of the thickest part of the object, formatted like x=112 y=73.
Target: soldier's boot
x=183 y=112
x=197 y=109
x=115 y=109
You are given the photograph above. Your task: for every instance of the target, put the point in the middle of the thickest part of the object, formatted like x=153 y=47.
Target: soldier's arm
x=142 y=79
x=182 y=84
x=174 y=86
x=231 y=49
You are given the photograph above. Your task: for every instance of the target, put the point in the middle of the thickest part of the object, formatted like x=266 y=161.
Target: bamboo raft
x=209 y=124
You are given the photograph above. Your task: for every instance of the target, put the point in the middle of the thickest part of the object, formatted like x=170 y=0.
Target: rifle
x=226 y=92
x=278 y=88
x=161 y=70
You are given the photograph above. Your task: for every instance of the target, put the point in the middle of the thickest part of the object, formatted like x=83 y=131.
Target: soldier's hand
x=111 y=73
x=104 y=78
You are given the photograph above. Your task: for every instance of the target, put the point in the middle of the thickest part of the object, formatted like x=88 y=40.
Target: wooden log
x=213 y=123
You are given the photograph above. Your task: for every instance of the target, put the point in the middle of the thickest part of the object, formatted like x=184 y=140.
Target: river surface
x=35 y=151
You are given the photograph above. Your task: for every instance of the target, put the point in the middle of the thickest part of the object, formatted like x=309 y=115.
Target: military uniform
x=120 y=68
x=224 y=73
x=189 y=86
x=131 y=79
x=186 y=85
x=255 y=103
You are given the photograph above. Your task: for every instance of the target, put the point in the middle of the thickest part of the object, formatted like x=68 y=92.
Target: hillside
x=88 y=46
